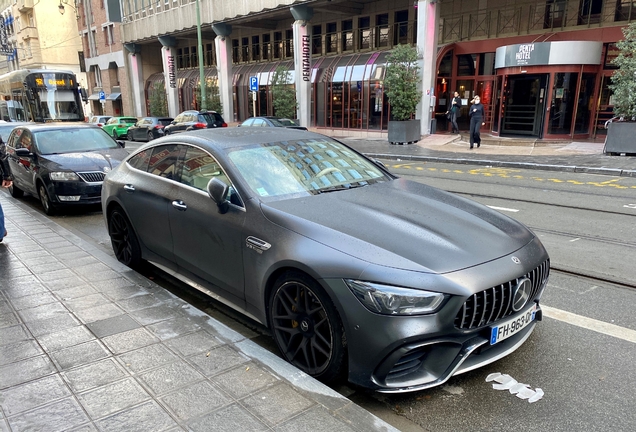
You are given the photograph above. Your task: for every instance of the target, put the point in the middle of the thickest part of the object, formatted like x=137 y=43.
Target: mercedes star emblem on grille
x=521 y=294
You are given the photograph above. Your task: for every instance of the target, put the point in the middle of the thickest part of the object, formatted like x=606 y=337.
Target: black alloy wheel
x=150 y=136
x=123 y=239
x=15 y=191
x=47 y=205
x=307 y=327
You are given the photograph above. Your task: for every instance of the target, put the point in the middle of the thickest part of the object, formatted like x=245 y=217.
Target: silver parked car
x=394 y=284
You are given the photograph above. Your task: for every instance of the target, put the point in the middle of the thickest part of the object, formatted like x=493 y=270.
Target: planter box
x=404 y=132
x=621 y=138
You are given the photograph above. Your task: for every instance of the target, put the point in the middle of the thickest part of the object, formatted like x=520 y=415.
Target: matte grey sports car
x=392 y=283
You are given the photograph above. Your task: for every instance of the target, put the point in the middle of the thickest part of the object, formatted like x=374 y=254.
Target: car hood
x=86 y=161
x=403 y=224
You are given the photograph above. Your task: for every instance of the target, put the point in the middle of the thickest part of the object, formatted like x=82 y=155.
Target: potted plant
x=621 y=131
x=402 y=86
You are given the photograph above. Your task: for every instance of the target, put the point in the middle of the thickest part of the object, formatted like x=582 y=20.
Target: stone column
x=223 y=47
x=427 y=19
x=136 y=79
x=302 y=61
x=169 y=59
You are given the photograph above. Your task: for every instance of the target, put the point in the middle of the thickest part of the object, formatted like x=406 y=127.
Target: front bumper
x=89 y=193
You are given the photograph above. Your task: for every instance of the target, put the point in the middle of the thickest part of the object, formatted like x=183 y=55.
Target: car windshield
x=70 y=140
x=289 y=169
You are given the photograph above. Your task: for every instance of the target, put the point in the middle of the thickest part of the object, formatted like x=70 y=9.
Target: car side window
x=259 y=123
x=249 y=122
x=163 y=161
x=25 y=140
x=199 y=167
x=141 y=160
x=179 y=118
x=111 y=120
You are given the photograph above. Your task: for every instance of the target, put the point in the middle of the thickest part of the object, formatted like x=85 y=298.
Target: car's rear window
x=129 y=120
x=70 y=140
x=211 y=118
x=164 y=122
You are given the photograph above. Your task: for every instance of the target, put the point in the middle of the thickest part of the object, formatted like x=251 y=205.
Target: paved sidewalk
x=515 y=153
x=87 y=344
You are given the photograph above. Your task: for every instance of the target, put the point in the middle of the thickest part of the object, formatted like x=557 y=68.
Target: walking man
x=476 y=121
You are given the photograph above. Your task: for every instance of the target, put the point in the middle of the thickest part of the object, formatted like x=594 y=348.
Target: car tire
x=150 y=136
x=115 y=136
x=307 y=327
x=123 y=239
x=130 y=137
x=15 y=191
x=45 y=200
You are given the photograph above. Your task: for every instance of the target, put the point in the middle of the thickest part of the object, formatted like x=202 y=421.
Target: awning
x=94 y=96
x=113 y=96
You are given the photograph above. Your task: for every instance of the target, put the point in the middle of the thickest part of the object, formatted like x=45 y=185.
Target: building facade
x=104 y=60
x=42 y=35
x=541 y=67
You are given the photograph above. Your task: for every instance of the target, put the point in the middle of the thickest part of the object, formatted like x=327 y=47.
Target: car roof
x=225 y=138
x=36 y=127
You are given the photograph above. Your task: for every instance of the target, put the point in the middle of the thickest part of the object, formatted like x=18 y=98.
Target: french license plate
x=511 y=327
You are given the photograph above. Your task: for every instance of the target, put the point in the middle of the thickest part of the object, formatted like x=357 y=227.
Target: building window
x=347 y=35
x=17 y=24
x=28 y=48
x=266 y=46
x=256 y=48
x=278 y=44
x=31 y=20
x=316 y=39
x=487 y=64
x=331 y=38
x=382 y=30
x=245 y=49
x=289 y=43
x=109 y=34
x=364 y=33
x=235 y=50
x=401 y=27
x=466 y=64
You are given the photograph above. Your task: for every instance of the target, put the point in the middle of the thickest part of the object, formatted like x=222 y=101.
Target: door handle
x=179 y=205
x=129 y=188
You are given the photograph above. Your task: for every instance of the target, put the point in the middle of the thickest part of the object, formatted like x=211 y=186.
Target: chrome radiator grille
x=494 y=303
x=92 y=177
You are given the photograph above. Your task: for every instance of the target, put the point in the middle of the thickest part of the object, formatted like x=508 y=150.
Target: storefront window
x=487 y=64
x=466 y=64
x=562 y=109
x=446 y=65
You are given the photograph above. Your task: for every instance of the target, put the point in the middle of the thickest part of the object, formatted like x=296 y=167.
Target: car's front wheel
x=47 y=205
x=15 y=191
x=150 y=136
x=115 y=134
x=307 y=327
x=123 y=239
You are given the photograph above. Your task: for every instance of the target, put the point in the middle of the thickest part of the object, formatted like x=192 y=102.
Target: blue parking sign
x=102 y=95
x=253 y=83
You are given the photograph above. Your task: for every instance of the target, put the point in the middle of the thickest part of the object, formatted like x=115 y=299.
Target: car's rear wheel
x=15 y=191
x=47 y=205
x=150 y=136
x=306 y=327
x=123 y=239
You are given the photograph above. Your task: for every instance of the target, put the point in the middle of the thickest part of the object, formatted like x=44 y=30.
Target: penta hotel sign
x=549 y=53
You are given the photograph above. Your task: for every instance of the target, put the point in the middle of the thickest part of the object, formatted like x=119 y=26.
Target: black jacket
x=5 y=173
x=479 y=114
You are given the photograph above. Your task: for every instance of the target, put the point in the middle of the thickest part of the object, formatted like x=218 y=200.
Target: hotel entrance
x=524 y=103
x=548 y=90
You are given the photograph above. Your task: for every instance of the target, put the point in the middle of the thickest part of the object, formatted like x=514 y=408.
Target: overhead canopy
x=113 y=96
x=94 y=96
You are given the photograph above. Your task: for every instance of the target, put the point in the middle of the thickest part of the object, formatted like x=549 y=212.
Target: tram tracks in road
x=594 y=278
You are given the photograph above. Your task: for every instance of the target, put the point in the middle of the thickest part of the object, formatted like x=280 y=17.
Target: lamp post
x=200 y=55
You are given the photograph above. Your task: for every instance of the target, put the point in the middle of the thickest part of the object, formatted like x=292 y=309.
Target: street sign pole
x=253 y=89
x=254 y=103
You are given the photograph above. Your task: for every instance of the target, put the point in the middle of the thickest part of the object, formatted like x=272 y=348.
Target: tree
x=401 y=81
x=212 y=96
x=157 y=100
x=623 y=83
x=283 y=94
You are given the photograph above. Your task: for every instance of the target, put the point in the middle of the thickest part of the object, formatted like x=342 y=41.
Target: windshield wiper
x=340 y=187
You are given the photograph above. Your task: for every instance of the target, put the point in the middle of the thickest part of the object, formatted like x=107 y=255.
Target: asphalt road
x=581 y=355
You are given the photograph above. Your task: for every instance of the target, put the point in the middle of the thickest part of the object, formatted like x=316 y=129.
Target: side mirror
x=122 y=144
x=23 y=152
x=218 y=192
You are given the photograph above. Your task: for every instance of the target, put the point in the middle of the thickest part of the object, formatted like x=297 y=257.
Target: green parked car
x=117 y=127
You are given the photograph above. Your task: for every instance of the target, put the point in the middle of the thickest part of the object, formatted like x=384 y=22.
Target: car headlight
x=392 y=300
x=64 y=176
